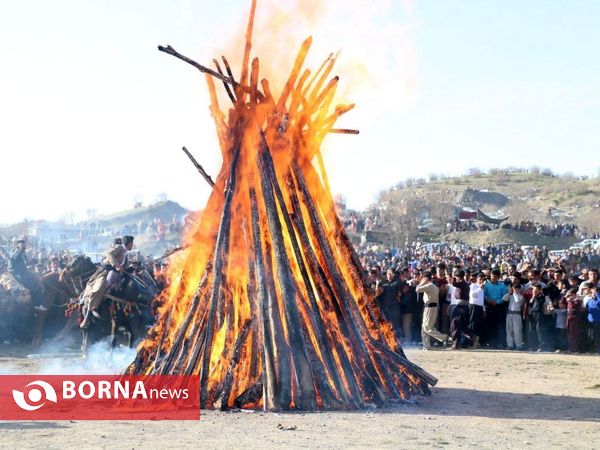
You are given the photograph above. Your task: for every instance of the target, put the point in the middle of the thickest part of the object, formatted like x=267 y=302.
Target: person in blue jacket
x=593 y=309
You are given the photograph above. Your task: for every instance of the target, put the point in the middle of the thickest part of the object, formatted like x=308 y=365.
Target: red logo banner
x=99 y=397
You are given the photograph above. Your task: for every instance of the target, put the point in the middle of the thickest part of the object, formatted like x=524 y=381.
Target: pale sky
x=93 y=116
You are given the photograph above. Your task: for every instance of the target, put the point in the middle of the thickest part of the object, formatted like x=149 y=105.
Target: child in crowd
x=593 y=309
x=573 y=320
x=560 y=314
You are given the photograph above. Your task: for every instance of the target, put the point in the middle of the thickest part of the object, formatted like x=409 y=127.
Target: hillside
x=478 y=238
x=543 y=198
x=164 y=211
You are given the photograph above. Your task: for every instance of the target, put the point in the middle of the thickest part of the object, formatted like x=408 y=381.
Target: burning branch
x=200 y=169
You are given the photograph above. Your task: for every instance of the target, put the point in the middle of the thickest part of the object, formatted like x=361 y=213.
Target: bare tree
x=590 y=221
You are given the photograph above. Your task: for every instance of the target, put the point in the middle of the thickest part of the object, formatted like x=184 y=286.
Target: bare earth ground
x=484 y=399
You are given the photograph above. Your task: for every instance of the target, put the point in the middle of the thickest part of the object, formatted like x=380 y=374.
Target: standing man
x=388 y=300
x=459 y=324
x=430 y=299
x=514 y=320
x=476 y=305
x=494 y=291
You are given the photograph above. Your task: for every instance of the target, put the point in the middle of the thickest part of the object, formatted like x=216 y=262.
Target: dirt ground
x=484 y=399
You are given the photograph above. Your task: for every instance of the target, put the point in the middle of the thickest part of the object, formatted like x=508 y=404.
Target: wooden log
x=297 y=95
x=250 y=396
x=165 y=366
x=198 y=167
x=322 y=78
x=222 y=400
x=254 y=305
x=343 y=131
x=166 y=326
x=283 y=353
x=218 y=263
x=349 y=310
x=198 y=343
x=419 y=371
x=291 y=81
x=226 y=85
x=302 y=369
x=327 y=295
x=171 y=51
x=247 y=49
x=269 y=381
x=135 y=368
x=313 y=311
x=254 y=81
x=317 y=75
x=228 y=68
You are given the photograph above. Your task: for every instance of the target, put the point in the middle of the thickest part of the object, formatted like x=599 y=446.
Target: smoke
x=54 y=359
x=377 y=66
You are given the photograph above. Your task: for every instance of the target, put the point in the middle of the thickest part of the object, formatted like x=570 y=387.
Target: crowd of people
x=491 y=297
x=551 y=230
x=494 y=296
x=557 y=230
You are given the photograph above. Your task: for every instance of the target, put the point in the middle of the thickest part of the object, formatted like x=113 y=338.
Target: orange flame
x=269 y=290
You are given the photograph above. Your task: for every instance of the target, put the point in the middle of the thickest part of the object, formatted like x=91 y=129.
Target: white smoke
x=53 y=359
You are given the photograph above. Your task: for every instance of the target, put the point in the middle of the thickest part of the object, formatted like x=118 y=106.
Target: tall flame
x=268 y=304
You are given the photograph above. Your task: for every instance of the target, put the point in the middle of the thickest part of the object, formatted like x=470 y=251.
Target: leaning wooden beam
x=294 y=73
x=218 y=263
x=225 y=84
x=351 y=315
x=168 y=359
x=171 y=51
x=247 y=48
x=222 y=399
x=199 y=167
x=269 y=383
x=302 y=367
x=343 y=131
x=313 y=311
x=327 y=296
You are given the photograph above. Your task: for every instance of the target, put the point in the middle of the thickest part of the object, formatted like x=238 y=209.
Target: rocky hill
x=541 y=197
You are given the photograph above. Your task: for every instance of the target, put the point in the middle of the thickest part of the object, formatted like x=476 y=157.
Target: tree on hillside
x=474 y=172
x=591 y=221
x=518 y=210
x=547 y=172
x=399 y=215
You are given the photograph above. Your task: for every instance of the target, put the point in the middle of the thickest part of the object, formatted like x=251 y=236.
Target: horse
x=59 y=289
x=125 y=307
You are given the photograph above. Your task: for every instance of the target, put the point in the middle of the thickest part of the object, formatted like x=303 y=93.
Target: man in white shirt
x=476 y=305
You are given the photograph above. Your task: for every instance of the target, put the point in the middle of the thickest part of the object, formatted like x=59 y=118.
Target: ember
x=268 y=304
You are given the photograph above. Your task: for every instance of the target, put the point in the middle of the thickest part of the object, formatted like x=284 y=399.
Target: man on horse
x=114 y=264
x=17 y=266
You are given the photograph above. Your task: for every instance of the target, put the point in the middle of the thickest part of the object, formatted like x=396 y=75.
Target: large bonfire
x=269 y=305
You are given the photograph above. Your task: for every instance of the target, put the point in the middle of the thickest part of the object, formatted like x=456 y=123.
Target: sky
x=92 y=116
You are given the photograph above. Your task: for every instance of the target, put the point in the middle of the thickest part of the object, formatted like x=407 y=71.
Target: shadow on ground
x=509 y=405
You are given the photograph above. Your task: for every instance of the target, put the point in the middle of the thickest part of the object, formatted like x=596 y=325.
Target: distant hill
x=541 y=197
x=477 y=238
x=164 y=211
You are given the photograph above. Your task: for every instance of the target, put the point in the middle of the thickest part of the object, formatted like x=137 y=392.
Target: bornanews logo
x=99 y=397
